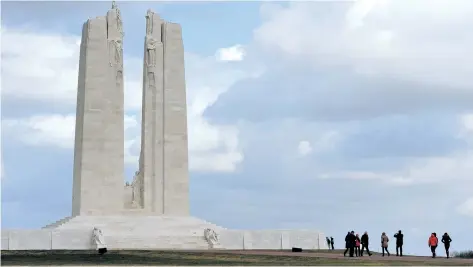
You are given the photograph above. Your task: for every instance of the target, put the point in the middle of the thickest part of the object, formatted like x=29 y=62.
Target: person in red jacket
x=357 y=246
x=433 y=243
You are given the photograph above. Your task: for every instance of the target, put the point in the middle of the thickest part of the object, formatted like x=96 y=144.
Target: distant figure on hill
x=384 y=243
x=350 y=243
x=433 y=243
x=331 y=241
x=328 y=242
x=399 y=242
x=446 y=241
x=364 y=244
x=357 y=246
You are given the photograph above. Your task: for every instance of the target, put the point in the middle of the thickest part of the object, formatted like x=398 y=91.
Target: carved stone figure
x=211 y=237
x=151 y=80
x=119 y=79
x=149 y=22
x=119 y=22
x=115 y=52
x=151 y=49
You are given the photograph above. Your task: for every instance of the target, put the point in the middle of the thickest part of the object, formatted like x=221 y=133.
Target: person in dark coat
x=399 y=242
x=350 y=242
x=347 y=246
x=331 y=241
x=365 y=243
x=446 y=242
x=328 y=242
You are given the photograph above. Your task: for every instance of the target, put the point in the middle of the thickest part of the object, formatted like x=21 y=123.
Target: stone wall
x=79 y=239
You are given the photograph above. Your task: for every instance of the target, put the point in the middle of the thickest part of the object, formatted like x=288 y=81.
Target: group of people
x=353 y=242
x=434 y=242
x=330 y=243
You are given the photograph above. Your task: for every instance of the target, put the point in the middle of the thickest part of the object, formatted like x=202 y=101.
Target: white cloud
x=43 y=69
x=30 y=71
x=42 y=130
x=233 y=53
x=466 y=208
x=452 y=168
x=387 y=37
x=304 y=148
x=55 y=130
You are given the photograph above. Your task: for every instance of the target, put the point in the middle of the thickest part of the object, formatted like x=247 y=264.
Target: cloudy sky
x=322 y=115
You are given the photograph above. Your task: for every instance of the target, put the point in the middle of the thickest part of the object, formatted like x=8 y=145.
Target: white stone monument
x=152 y=212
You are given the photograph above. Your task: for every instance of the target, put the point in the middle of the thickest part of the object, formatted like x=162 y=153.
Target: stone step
x=160 y=224
x=161 y=242
x=58 y=223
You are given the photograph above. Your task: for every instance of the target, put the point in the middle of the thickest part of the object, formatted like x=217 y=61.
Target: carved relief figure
x=119 y=18
x=119 y=79
x=119 y=22
x=115 y=52
x=211 y=237
x=151 y=50
x=136 y=191
x=149 y=22
x=151 y=80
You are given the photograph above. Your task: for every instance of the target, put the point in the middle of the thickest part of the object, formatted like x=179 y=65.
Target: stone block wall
x=80 y=239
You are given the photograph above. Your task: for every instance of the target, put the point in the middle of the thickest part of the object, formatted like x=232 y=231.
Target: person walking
x=350 y=243
x=384 y=243
x=357 y=246
x=446 y=242
x=347 y=246
x=365 y=243
x=399 y=242
x=433 y=243
x=331 y=241
x=328 y=242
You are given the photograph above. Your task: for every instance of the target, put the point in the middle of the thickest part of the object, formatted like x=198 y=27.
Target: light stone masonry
x=99 y=138
x=153 y=211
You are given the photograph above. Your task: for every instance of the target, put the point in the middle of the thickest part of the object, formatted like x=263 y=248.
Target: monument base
x=156 y=232
x=136 y=232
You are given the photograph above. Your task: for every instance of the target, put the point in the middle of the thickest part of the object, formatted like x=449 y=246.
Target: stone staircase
x=143 y=232
x=139 y=224
x=156 y=242
x=58 y=223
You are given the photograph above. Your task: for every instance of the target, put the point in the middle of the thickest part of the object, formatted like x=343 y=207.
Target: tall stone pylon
x=164 y=144
x=99 y=134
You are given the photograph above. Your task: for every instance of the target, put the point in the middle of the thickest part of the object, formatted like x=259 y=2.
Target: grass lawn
x=153 y=257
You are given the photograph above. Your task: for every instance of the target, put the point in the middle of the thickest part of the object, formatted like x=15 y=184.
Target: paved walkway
x=340 y=256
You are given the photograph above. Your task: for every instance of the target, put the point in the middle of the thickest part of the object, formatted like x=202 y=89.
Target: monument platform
x=154 y=232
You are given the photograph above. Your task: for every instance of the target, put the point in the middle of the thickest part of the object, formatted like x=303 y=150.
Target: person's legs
x=352 y=251
x=400 y=250
x=387 y=251
x=332 y=247
x=435 y=254
x=362 y=250
x=345 y=253
x=447 y=248
x=368 y=250
x=383 y=248
x=432 y=249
